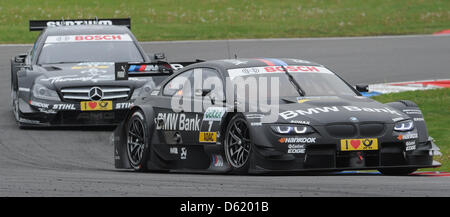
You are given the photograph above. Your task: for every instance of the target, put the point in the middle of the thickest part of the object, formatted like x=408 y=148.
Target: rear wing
x=39 y=25
x=124 y=70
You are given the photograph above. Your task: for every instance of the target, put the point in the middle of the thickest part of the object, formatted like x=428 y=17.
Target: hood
x=83 y=74
x=336 y=109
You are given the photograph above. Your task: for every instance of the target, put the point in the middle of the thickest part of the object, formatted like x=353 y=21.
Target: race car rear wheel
x=238 y=144
x=137 y=142
x=397 y=171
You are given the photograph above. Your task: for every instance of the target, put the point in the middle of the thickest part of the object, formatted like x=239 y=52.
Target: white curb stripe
x=272 y=39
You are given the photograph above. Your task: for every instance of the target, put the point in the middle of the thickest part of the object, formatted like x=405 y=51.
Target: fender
x=413 y=111
x=26 y=78
x=156 y=163
x=219 y=126
x=119 y=136
x=14 y=69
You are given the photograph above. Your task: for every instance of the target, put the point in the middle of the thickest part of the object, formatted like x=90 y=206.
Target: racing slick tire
x=397 y=171
x=137 y=141
x=238 y=145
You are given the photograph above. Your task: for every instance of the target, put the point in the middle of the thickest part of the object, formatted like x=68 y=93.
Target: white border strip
x=274 y=39
x=16 y=45
x=298 y=39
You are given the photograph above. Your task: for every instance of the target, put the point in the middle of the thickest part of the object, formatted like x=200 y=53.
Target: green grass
x=228 y=19
x=435 y=106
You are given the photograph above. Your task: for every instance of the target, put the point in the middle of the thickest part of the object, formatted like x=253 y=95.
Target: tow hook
x=361 y=158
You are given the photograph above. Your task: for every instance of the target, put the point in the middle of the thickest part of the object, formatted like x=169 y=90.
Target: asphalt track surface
x=79 y=162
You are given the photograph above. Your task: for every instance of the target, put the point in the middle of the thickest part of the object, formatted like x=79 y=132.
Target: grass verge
x=435 y=106
x=229 y=19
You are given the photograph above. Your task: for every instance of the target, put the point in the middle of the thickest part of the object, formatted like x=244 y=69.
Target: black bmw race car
x=67 y=78
x=303 y=117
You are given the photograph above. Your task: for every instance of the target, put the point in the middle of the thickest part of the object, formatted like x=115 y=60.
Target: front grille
x=341 y=130
x=353 y=130
x=371 y=130
x=82 y=93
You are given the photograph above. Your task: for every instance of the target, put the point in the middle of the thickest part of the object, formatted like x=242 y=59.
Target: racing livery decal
x=178 y=121
x=321 y=124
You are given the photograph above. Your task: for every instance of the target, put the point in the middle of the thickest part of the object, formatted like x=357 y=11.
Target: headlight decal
x=283 y=129
x=136 y=93
x=42 y=92
x=292 y=129
x=301 y=130
x=146 y=89
x=404 y=125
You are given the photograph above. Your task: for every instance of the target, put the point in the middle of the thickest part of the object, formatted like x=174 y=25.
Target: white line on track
x=274 y=39
x=300 y=39
x=15 y=45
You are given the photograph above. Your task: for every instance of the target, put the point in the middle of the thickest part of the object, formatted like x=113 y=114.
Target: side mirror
x=205 y=92
x=202 y=92
x=362 y=88
x=159 y=56
x=156 y=56
x=164 y=67
x=20 y=59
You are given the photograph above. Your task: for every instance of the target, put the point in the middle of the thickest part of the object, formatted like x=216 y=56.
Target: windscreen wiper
x=294 y=82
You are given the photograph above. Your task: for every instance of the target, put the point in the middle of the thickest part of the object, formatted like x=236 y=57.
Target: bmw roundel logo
x=95 y=93
x=354 y=119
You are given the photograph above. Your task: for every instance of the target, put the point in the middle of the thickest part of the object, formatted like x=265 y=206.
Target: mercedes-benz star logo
x=95 y=93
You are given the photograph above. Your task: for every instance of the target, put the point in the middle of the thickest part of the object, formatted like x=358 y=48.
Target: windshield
x=89 y=48
x=313 y=80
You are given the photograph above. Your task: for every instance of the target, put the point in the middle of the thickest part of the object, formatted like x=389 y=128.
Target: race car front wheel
x=137 y=141
x=238 y=144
